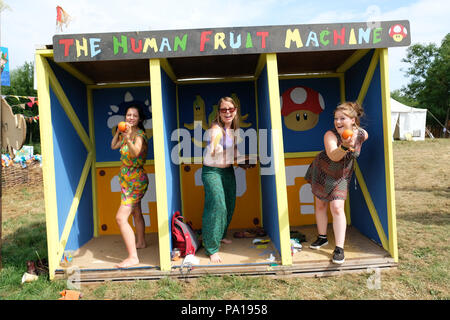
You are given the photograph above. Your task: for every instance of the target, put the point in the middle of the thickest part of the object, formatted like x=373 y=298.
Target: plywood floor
x=103 y=253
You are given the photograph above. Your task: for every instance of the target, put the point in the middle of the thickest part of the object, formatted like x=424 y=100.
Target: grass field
x=422 y=183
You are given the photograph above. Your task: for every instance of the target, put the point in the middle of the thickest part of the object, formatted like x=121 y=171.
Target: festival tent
x=407 y=123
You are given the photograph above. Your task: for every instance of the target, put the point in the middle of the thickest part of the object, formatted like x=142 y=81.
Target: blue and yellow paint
x=79 y=202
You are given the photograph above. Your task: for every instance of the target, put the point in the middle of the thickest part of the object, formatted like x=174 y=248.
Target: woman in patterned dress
x=330 y=172
x=133 y=182
x=218 y=178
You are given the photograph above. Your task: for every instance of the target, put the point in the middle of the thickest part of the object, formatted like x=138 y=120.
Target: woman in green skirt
x=218 y=178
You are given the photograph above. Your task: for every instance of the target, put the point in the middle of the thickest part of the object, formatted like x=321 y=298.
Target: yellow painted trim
x=108 y=164
x=74 y=206
x=278 y=150
x=388 y=153
x=76 y=73
x=112 y=164
x=48 y=163
x=160 y=166
x=190 y=160
x=47 y=53
x=309 y=75
x=294 y=155
x=261 y=64
x=213 y=80
x=371 y=207
x=118 y=85
x=354 y=58
x=368 y=77
x=90 y=103
x=165 y=65
x=67 y=106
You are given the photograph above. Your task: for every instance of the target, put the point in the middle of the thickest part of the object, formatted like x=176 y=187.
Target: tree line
x=429 y=82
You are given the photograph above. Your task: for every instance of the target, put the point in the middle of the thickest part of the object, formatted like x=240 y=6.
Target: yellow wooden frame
x=388 y=153
x=160 y=165
x=368 y=78
x=390 y=245
x=48 y=163
x=47 y=79
x=278 y=151
x=352 y=60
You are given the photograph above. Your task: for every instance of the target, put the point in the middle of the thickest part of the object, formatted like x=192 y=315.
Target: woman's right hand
x=348 y=143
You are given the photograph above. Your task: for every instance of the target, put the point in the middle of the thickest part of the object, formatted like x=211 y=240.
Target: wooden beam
x=388 y=153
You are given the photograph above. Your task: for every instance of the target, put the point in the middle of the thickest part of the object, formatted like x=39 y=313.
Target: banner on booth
x=226 y=41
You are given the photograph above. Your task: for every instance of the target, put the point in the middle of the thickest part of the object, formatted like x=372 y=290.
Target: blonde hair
x=218 y=121
x=351 y=110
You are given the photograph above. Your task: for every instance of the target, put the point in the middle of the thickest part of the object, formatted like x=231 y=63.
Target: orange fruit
x=122 y=126
x=347 y=133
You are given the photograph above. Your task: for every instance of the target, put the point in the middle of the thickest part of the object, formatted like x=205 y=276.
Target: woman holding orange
x=133 y=179
x=330 y=173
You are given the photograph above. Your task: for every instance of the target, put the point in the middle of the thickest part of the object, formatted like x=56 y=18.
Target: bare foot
x=141 y=245
x=128 y=262
x=226 y=241
x=215 y=258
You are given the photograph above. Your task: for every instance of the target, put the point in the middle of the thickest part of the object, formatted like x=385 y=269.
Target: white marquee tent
x=407 y=123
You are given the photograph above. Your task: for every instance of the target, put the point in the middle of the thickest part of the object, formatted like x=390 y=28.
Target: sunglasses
x=225 y=110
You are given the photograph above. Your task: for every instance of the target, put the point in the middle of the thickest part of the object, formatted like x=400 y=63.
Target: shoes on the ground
x=320 y=242
x=338 y=255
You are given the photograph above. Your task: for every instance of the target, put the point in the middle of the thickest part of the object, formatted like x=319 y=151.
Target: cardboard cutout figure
x=14 y=129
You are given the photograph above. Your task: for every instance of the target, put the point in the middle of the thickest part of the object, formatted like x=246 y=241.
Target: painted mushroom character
x=301 y=107
x=398 y=32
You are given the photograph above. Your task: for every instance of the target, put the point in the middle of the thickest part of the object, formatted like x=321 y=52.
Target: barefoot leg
x=140 y=227
x=215 y=258
x=128 y=237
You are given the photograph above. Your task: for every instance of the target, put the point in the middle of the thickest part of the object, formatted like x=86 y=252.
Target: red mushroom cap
x=301 y=98
x=397 y=29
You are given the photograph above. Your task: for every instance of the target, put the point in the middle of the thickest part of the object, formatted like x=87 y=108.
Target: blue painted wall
x=169 y=106
x=312 y=140
x=109 y=104
x=371 y=160
x=211 y=93
x=268 y=184
x=70 y=156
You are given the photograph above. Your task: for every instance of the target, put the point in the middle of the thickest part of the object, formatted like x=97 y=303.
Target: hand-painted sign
x=225 y=41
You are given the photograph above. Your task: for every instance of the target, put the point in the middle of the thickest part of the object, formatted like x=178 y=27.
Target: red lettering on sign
x=203 y=39
x=337 y=36
x=133 y=45
x=263 y=35
x=67 y=43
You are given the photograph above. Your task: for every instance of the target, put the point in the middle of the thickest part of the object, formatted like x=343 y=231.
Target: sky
x=29 y=24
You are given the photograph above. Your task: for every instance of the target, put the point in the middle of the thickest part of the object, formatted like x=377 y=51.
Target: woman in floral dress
x=133 y=182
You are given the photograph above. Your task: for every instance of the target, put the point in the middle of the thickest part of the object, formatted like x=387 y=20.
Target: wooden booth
x=287 y=81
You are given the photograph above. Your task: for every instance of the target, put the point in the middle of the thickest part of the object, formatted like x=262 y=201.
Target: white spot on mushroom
x=298 y=95
x=321 y=102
